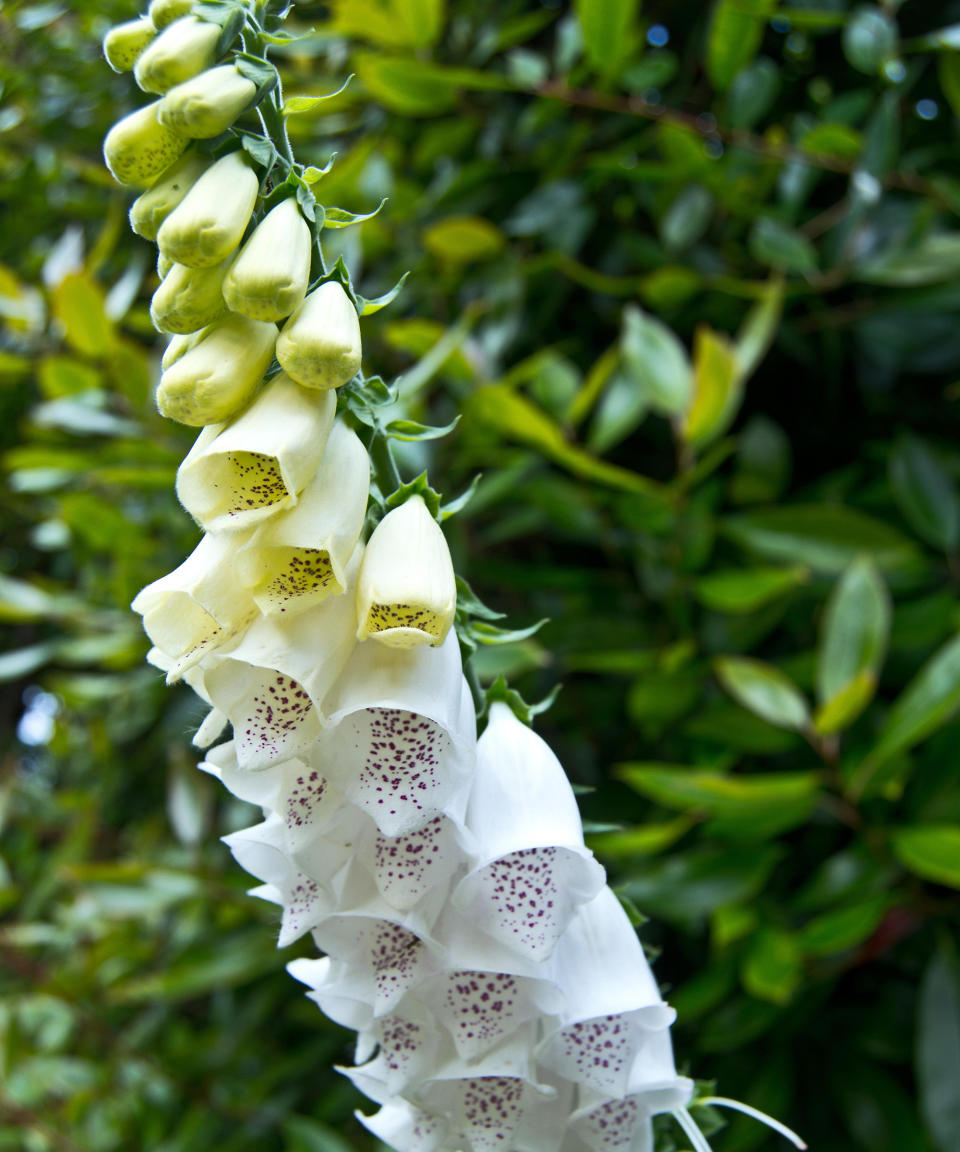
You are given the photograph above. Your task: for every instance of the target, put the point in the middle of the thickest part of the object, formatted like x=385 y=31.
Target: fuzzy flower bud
x=406 y=594
x=319 y=345
x=206 y=226
x=183 y=49
x=164 y=12
x=269 y=278
x=123 y=44
x=150 y=209
x=208 y=104
x=139 y=147
x=189 y=298
x=219 y=374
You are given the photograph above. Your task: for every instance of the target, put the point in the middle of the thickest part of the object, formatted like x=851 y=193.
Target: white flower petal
x=298 y=557
x=406 y=868
x=406 y=595
x=239 y=473
x=197 y=607
x=400 y=1125
x=407 y=1042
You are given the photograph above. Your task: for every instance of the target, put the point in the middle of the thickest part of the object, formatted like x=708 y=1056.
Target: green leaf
x=846 y=704
x=938 y=1047
x=856 y=627
x=62 y=376
x=842 y=928
x=742 y=590
x=375 y=303
x=926 y=704
x=717 y=388
x=824 y=537
x=838 y=140
x=644 y=840
x=773 y=967
x=517 y=418
x=930 y=851
x=656 y=361
x=759 y=328
x=687 y=218
x=303 y=1134
x=764 y=690
x=782 y=248
x=297 y=105
x=78 y=305
x=736 y=30
x=778 y=799
x=926 y=494
x=752 y=93
x=418 y=88
x=463 y=239
x=609 y=33
x=933 y=259
x=948 y=73
x=414 y=430
x=341 y=218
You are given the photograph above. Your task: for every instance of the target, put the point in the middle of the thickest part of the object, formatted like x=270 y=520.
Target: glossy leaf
x=609 y=32
x=926 y=494
x=657 y=361
x=938 y=1047
x=736 y=29
x=856 y=627
x=764 y=690
x=930 y=851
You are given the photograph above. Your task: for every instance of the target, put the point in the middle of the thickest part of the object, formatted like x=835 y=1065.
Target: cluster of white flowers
x=500 y=995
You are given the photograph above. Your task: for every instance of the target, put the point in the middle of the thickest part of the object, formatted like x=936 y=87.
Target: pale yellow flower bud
x=208 y=104
x=406 y=591
x=164 y=12
x=123 y=44
x=269 y=279
x=215 y=378
x=178 y=346
x=164 y=264
x=138 y=147
x=150 y=209
x=189 y=298
x=207 y=225
x=319 y=345
x=182 y=50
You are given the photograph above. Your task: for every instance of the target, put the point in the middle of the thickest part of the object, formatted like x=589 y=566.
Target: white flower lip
x=218 y=375
x=207 y=224
x=319 y=345
x=238 y=474
x=206 y=105
x=197 y=607
x=299 y=557
x=407 y=592
x=140 y=147
x=180 y=51
x=269 y=278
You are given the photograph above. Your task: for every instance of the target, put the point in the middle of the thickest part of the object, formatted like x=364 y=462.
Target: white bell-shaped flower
x=533 y=869
x=407 y=1042
x=164 y=12
x=189 y=299
x=306 y=897
x=406 y=1128
x=292 y=790
x=299 y=557
x=208 y=104
x=196 y=608
x=208 y=223
x=611 y=1002
x=273 y=684
x=139 y=147
x=216 y=377
x=152 y=207
x=183 y=48
x=407 y=594
x=269 y=278
x=401 y=736
x=406 y=868
x=319 y=345
x=240 y=473
x=625 y=1125
x=211 y=728
x=124 y=43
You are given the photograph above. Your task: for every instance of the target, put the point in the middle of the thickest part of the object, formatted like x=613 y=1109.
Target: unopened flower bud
x=164 y=264
x=206 y=226
x=150 y=209
x=178 y=346
x=123 y=44
x=139 y=147
x=319 y=345
x=208 y=104
x=219 y=374
x=406 y=594
x=189 y=298
x=164 y=12
x=269 y=279
x=182 y=50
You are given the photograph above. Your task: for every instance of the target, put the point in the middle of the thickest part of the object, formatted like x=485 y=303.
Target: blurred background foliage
x=691 y=272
